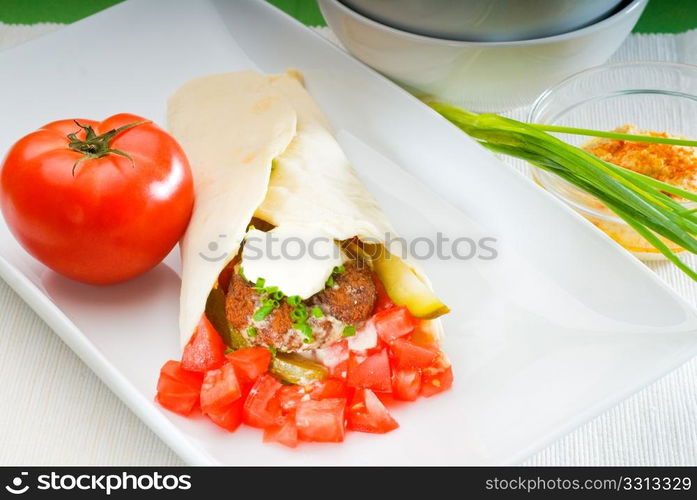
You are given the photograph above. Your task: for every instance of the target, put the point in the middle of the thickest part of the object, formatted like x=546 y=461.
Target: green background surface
x=661 y=16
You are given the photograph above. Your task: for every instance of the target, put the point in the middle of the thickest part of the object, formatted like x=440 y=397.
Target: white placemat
x=56 y=411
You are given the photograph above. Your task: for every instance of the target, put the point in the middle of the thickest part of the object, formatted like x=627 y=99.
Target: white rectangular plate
x=560 y=326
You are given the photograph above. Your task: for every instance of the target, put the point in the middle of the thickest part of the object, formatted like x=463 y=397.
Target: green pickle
x=288 y=367
x=296 y=369
x=215 y=312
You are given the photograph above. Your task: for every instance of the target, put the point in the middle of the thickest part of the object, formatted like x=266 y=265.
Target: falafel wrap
x=285 y=248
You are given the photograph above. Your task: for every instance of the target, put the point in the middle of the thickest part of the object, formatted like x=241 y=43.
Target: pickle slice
x=296 y=369
x=215 y=312
x=403 y=286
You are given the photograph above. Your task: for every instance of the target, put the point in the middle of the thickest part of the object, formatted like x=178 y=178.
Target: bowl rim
x=540 y=100
x=623 y=12
x=543 y=177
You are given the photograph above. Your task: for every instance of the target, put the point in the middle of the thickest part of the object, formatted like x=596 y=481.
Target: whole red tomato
x=99 y=202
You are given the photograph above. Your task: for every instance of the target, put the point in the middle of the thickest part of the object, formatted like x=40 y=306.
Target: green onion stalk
x=641 y=201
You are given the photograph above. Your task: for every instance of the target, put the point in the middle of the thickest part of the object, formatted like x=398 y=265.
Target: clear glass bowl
x=650 y=95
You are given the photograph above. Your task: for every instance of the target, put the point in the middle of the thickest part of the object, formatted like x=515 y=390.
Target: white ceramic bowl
x=485 y=20
x=481 y=76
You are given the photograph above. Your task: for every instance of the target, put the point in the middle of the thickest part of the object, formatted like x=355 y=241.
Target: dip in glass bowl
x=640 y=97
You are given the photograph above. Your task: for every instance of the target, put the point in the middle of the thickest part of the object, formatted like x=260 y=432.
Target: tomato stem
x=96 y=146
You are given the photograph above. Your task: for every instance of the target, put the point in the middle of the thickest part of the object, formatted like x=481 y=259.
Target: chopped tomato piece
x=328 y=388
x=438 y=377
x=261 y=409
x=394 y=323
x=321 y=421
x=228 y=417
x=424 y=335
x=220 y=388
x=383 y=302
x=289 y=396
x=406 y=384
x=335 y=358
x=407 y=354
x=372 y=373
x=205 y=350
x=250 y=363
x=178 y=390
x=285 y=433
x=366 y=413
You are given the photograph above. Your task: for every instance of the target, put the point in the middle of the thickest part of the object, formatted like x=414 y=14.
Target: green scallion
x=259 y=285
x=330 y=282
x=252 y=331
x=641 y=201
x=261 y=313
x=349 y=331
x=317 y=312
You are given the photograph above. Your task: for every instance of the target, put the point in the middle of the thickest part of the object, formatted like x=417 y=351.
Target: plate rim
x=170 y=434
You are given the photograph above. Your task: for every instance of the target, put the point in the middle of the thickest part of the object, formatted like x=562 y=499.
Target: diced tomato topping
x=383 y=302
x=289 y=396
x=262 y=409
x=321 y=421
x=394 y=323
x=328 y=388
x=228 y=417
x=250 y=363
x=205 y=350
x=424 y=336
x=438 y=377
x=406 y=354
x=372 y=373
x=366 y=413
x=178 y=390
x=406 y=384
x=285 y=433
x=220 y=389
x=335 y=358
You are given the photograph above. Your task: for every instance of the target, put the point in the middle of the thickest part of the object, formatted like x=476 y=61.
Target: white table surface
x=54 y=410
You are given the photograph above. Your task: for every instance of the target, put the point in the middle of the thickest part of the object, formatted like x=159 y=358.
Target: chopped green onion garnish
x=271 y=289
x=294 y=300
x=229 y=350
x=259 y=286
x=261 y=313
x=349 y=331
x=339 y=269
x=317 y=312
x=299 y=314
x=252 y=331
x=306 y=331
x=330 y=282
x=273 y=303
x=278 y=295
x=241 y=272
x=272 y=349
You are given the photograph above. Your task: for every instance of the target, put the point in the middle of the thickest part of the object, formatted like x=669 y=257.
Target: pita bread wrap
x=234 y=127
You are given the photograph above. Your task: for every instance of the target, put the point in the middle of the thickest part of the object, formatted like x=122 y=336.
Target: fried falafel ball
x=349 y=302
